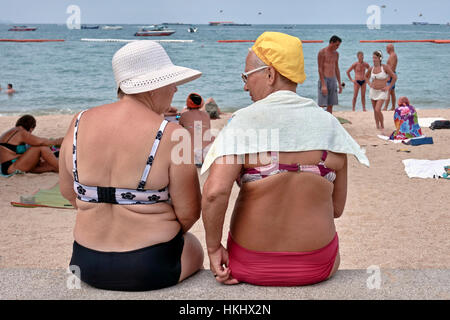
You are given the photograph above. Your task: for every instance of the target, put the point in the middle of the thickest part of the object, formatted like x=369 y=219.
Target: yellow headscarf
x=283 y=52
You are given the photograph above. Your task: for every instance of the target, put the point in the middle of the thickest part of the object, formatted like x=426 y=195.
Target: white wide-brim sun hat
x=144 y=65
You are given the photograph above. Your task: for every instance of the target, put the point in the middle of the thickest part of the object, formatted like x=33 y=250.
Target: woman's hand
x=219 y=266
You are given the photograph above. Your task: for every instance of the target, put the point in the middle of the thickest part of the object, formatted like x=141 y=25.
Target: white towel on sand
x=425 y=168
x=285 y=122
x=426 y=122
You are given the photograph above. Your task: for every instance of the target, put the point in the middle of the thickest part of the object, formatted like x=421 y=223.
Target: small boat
x=420 y=23
x=192 y=29
x=112 y=27
x=154 y=31
x=228 y=24
x=22 y=28
x=89 y=27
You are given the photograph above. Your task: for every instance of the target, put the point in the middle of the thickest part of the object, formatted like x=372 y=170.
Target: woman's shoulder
x=174 y=128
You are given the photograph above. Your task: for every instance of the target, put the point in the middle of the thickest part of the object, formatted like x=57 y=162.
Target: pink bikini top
x=257 y=173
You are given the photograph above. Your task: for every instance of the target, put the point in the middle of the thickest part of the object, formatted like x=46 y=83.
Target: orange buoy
x=405 y=41
x=31 y=40
x=441 y=41
x=233 y=41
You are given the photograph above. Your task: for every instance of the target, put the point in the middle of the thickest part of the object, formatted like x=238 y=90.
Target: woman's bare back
x=288 y=211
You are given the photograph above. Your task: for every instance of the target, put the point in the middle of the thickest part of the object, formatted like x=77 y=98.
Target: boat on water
x=228 y=24
x=154 y=31
x=89 y=27
x=112 y=27
x=173 y=23
x=420 y=23
x=22 y=28
x=192 y=29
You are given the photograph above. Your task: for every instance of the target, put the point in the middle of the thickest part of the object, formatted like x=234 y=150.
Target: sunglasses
x=246 y=74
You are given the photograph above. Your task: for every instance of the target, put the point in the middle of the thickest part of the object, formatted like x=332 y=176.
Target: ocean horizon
x=66 y=77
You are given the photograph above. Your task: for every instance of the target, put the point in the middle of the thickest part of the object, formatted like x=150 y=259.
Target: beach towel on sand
x=285 y=122
x=425 y=168
x=50 y=198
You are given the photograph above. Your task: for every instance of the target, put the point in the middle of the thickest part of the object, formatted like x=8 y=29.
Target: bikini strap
x=11 y=136
x=151 y=158
x=74 y=150
x=324 y=156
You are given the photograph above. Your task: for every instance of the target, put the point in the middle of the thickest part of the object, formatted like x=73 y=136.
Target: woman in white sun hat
x=134 y=202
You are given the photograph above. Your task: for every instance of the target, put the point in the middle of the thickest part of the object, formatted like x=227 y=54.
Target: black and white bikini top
x=119 y=195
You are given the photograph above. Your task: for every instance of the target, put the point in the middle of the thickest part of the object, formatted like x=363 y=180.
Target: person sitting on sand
x=198 y=123
x=406 y=121
x=359 y=82
x=377 y=77
x=135 y=200
x=211 y=107
x=293 y=182
x=20 y=150
x=10 y=89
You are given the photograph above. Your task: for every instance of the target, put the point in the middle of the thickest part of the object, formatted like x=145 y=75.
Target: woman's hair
x=379 y=54
x=120 y=94
x=27 y=122
x=403 y=101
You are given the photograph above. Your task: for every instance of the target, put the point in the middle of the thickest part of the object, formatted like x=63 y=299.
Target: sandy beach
x=390 y=220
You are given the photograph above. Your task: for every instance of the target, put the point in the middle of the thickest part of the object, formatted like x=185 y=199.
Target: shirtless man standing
x=360 y=70
x=329 y=74
x=391 y=62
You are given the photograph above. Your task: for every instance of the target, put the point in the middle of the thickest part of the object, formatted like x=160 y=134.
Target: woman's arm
x=66 y=167
x=216 y=193
x=33 y=140
x=367 y=76
x=340 y=190
x=184 y=187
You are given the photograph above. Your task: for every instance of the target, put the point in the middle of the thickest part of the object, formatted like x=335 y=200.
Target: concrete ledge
x=346 y=284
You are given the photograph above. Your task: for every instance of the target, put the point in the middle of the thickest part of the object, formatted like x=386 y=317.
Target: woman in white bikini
x=377 y=78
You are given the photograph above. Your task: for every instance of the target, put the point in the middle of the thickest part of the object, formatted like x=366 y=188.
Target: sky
x=239 y=11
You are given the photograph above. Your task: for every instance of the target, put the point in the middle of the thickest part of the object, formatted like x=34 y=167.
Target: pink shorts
x=267 y=268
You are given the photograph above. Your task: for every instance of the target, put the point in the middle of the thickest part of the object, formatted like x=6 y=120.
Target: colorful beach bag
x=406 y=123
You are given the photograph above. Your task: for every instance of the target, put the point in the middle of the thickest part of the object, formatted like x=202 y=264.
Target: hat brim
x=157 y=79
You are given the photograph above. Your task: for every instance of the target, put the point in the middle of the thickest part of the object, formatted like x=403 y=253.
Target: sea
x=65 y=77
